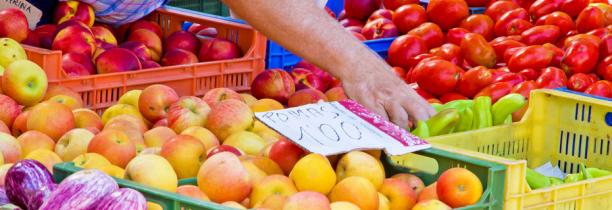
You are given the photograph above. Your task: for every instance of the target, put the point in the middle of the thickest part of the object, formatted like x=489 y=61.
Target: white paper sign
x=338 y=127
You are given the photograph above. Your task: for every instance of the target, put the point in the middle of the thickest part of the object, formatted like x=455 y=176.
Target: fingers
x=417 y=107
x=397 y=114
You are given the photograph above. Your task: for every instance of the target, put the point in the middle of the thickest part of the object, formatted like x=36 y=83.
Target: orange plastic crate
x=103 y=90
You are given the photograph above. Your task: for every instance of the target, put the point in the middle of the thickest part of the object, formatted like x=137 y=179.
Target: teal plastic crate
x=214 y=7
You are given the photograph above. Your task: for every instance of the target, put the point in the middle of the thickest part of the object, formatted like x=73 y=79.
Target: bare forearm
x=306 y=30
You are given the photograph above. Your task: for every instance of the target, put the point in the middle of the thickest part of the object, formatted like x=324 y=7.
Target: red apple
x=75 y=39
x=214 y=49
x=13 y=24
x=178 y=56
x=216 y=95
x=360 y=9
x=155 y=100
x=182 y=40
x=285 y=154
x=275 y=84
x=186 y=112
x=74 y=10
x=223 y=148
x=379 y=28
x=306 y=79
x=77 y=64
x=117 y=60
x=114 y=145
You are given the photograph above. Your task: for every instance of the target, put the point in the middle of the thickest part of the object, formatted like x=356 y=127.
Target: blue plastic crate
x=473 y=10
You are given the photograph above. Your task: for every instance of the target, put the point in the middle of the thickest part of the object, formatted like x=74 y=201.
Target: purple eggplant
x=26 y=181
x=123 y=198
x=82 y=190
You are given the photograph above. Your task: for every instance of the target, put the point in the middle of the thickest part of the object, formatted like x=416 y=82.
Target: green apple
x=25 y=82
x=10 y=50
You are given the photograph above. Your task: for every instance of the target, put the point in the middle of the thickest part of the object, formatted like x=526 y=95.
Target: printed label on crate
x=330 y=128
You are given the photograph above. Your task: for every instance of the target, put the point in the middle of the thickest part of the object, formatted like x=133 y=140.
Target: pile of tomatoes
x=514 y=47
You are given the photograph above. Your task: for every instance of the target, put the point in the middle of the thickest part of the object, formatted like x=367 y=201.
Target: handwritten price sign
x=338 y=127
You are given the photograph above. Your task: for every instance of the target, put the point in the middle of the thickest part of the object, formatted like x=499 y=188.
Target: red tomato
x=605 y=49
x=400 y=72
x=455 y=35
x=573 y=7
x=512 y=78
x=560 y=19
x=524 y=88
x=517 y=26
x=434 y=101
x=420 y=91
x=601 y=88
x=498 y=8
x=437 y=76
x=541 y=34
x=447 y=13
x=496 y=91
x=408 y=17
x=540 y=8
x=535 y=56
x=557 y=54
x=529 y=74
x=604 y=70
x=394 y=4
x=501 y=26
x=403 y=48
x=581 y=38
x=480 y=24
x=600 y=1
x=497 y=73
x=580 y=57
x=502 y=46
x=474 y=80
x=477 y=51
x=451 y=97
x=600 y=32
x=607 y=10
x=449 y=52
x=511 y=52
x=430 y=33
x=551 y=78
x=477 y=3
x=580 y=82
x=589 y=19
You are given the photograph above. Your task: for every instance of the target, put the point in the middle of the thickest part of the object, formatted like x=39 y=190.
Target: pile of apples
x=94 y=48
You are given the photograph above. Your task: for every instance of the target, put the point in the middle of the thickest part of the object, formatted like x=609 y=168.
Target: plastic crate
x=473 y=10
x=214 y=7
x=563 y=128
x=167 y=200
x=103 y=90
x=582 y=94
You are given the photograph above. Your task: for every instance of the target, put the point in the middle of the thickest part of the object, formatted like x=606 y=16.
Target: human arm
x=306 y=30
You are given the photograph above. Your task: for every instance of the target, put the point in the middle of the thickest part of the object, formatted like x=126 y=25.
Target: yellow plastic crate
x=563 y=128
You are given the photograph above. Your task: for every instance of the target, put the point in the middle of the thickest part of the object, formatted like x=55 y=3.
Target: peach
x=68 y=101
x=428 y=193
x=383 y=202
x=223 y=178
x=74 y=10
x=306 y=96
x=306 y=79
x=204 y=135
x=307 y=200
x=271 y=185
x=33 y=140
x=458 y=187
x=117 y=60
x=178 y=57
x=148 y=25
x=156 y=137
x=91 y=160
x=343 y=205
x=51 y=118
x=274 y=202
x=149 y=64
x=47 y=157
x=20 y=125
x=86 y=118
x=155 y=101
x=153 y=171
x=13 y=24
x=10 y=148
x=276 y=84
x=192 y=191
x=73 y=143
x=431 y=205
x=185 y=154
x=139 y=49
x=336 y=94
x=188 y=111
x=285 y=154
x=400 y=193
x=214 y=49
x=248 y=98
x=114 y=145
x=45 y=34
x=74 y=39
x=120 y=109
x=103 y=34
x=357 y=163
x=149 y=39
x=379 y=28
x=313 y=172
x=182 y=40
x=3 y=169
x=216 y=95
x=415 y=182
x=77 y=64
x=266 y=104
x=229 y=116
x=246 y=141
x=265 y=164
x=9 y=110
x=357 y=190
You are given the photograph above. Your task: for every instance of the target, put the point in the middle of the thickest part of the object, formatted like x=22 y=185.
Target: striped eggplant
x=124 y=198
x=82 y=190
x=3 y=198
x=27 y=182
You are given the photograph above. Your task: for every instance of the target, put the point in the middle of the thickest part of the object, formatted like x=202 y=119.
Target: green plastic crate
x=214 y=7
x=491 y=175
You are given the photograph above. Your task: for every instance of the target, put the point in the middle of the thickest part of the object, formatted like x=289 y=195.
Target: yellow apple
x=400 y=193
x=86 y=118
x=233 y=205
x=266 y=104
x=431 y=205
x=46 y=157
x=383 y=202
x=91 y=160
x=357 y=163
x=250 y=143
x=130 y=98
x=119 y=109
x=271 y=185
x=33 y=140
x=192 y=191
x=223 y=178
x=274 y=202
x=313 y=172
x=153 y=171
x=248 y=98
x=185 y=154
x=114 y=171
x=73 y=143
x=307 y=200
x=343 y=205
x=255 y=173
x=3 y=169
x=267 y=165
x=157 y=136
x=25 y=82
x=357 y=190
x=204 y=135
x=10 y=148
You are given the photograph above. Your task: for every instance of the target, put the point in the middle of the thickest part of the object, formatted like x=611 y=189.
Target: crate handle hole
x=608 y=118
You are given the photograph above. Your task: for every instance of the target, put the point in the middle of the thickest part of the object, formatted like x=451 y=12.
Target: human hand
x=385 y=94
